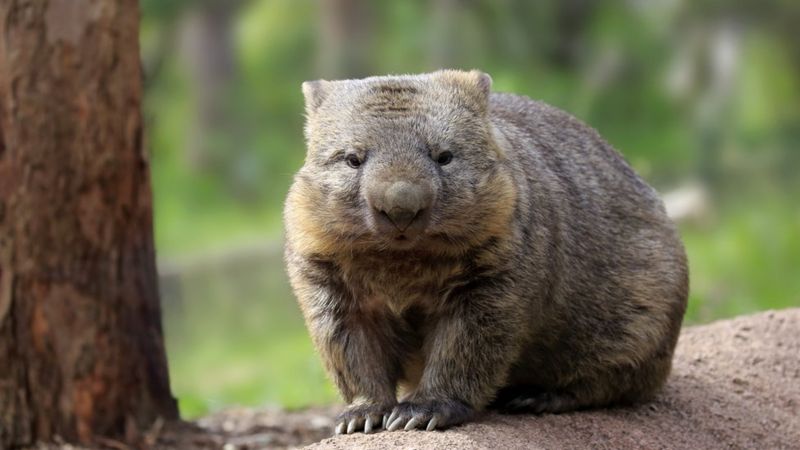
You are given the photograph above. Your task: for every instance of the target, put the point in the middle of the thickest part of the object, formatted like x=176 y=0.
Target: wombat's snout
x=401 y=206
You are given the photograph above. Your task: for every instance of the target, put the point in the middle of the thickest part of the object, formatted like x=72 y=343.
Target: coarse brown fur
x=466 y=249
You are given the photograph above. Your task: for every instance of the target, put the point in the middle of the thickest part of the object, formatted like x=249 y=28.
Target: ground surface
x=735 y=384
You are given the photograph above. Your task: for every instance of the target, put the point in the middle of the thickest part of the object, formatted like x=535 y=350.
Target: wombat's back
x=588 y=181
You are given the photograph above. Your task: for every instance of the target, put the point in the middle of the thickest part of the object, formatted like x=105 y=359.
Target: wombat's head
x=400 y=162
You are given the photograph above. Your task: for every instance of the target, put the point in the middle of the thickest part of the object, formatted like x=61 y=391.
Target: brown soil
x=230 y=429
x=735 y=384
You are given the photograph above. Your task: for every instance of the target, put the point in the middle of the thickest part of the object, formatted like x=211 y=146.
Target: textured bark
x=81 y=347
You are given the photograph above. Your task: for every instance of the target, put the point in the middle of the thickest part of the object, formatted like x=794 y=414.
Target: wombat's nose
x=401 y=218
x=403 y=202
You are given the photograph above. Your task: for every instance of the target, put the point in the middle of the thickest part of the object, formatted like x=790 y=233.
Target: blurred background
x=701 y=96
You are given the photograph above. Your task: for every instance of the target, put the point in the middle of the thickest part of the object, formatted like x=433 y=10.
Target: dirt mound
x=735 y=384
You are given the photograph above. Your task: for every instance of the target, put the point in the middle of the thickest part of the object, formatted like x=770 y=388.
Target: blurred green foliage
x=236 y=337
x=705 y=93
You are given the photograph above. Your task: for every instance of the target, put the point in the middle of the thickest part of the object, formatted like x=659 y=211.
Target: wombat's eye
x=353 y=161
x=444 y=158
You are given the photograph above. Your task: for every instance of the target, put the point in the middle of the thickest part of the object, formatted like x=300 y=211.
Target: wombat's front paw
x=428 y=414
x=362 y=417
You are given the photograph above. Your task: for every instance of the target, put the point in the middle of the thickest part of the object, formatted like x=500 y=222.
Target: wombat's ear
x=483 y=82
x=315 y=93
x=479 y=86
x=474 y=85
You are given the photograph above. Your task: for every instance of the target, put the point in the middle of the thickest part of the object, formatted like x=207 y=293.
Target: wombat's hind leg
x=529 y=399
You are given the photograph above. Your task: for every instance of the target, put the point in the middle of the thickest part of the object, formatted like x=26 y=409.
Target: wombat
x=464 y=250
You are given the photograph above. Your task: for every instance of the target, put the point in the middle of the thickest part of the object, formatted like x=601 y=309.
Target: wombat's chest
x=399 y=283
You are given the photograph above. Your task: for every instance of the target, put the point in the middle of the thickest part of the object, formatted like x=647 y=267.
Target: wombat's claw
x=358 y=418
x=368 y=425
x=354 y=423
x=429 y=415
x=395 y=424
x=411 y=424
x=390 y=421
x=340 y=428
x=432 y=424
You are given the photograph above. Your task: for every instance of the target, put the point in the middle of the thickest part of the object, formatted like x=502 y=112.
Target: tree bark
x=81 y=346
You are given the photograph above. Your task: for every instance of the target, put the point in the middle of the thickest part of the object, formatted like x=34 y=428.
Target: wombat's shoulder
x=535 y=115
x=515 y=105
x=566 y=144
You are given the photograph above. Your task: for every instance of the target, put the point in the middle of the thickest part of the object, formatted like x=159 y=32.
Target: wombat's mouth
x=402 y=241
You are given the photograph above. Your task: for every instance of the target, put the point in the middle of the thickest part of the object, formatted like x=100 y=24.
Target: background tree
x=344 y=38
x=207 y=48
x=81 y=351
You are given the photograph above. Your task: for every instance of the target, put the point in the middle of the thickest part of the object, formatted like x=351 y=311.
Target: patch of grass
x=747 y=260
x=237 y=337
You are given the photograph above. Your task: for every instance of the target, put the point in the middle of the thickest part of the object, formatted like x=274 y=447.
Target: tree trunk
x=81 y=346
x=444 y=45
x=207 y=49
